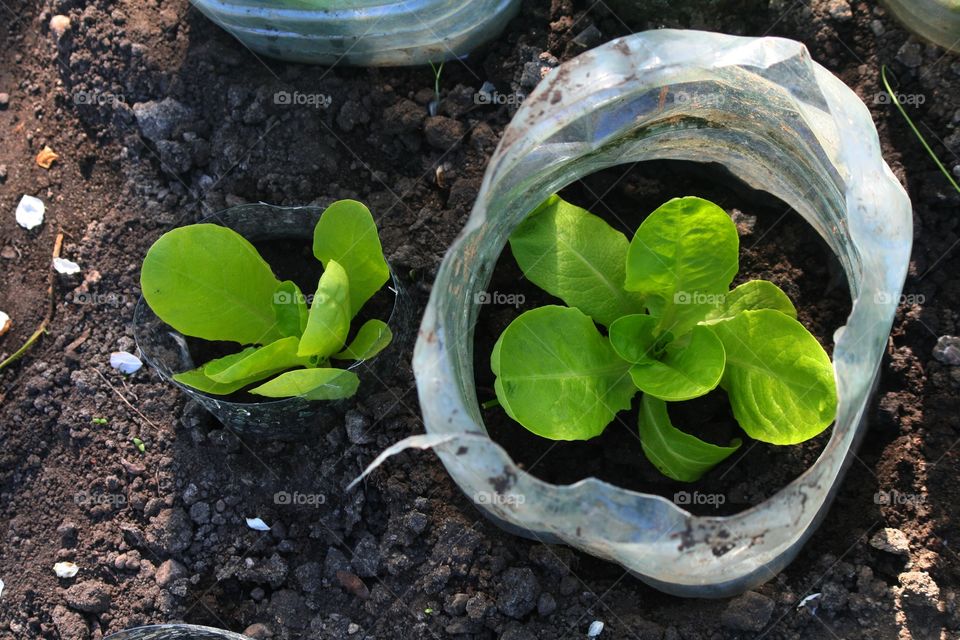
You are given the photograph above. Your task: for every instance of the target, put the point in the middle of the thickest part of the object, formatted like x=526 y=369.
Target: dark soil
x=794 y=257
x=161 y=535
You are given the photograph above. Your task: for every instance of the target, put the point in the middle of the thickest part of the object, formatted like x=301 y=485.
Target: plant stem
x=916 y=132
x=490 y=404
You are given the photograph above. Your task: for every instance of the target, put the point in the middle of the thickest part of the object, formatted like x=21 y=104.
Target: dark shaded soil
x=161 y=535
x=794 y=257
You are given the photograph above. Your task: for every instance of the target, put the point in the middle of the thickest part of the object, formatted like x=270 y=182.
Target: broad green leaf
x=676 y=454
x=312 y=384
x=198 y=380
x=756 y=294
x=290 y=308
x=690 y=367
x=207 y=281
x=779 y=379
x=258 y=363
x=329 y=320
x=346 y=233
x=634 y=337
x=558 y=376
x=372 y=338
x=684 y=256
x=577 y=257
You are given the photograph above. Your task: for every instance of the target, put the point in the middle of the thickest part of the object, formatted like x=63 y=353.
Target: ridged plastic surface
x=935 y=20
x=781 y=123
x=165 y=349
x=176 y=632
x=361 y=32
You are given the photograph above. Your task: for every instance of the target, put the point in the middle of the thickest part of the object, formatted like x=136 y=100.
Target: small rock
x=517 y=592
x=442 y=132
x=403 y=117
x=69 y=624
x=310 y=576
x=877 y=27
x=170 y=532
x=892 y=541
x=90 y=596
x=174 y=156
x=4 y=101
x=353 y=584
x=200 y=512
x=839 y=10
x=334 y=563
x=589 y=37
x=357 y=427
x=168 y=571
x=456 y=605
x=157 y=120
x=947 y=350
x=595 y=629
x=30 y=212
x=546 y=605
x=258 y=631
x=917 y=589
x=366 y=557
x=749 y=612
x=59 y=25
x=910 y=55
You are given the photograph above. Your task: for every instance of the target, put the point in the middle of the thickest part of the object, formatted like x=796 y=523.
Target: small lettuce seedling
x=674 y=331
x=207 y=281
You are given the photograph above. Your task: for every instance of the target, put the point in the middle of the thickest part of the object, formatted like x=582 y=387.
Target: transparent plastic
x=176 y=632
x=781 y=123
x=361 y=32
x=165 y=349
x=935 y=20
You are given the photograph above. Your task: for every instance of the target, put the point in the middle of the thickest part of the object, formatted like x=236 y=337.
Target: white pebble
x=65 y=569
x=257 y=524
x=596 y=628
x=125 y=362
x=30 y=212
x=67 y=267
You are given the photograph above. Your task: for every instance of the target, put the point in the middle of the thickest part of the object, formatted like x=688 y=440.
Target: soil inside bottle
x=776 y=244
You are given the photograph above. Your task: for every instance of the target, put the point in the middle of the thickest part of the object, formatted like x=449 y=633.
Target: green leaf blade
x=290 y=309
x=690 y=367
x=577 y=257
x=751 y=296
x=197 y=379
x=258 y=363
x=779 y=379
x=207 y=281
x=634 y=337
x=677 y=455
x=558 y=376
x=328 y=322
x=346 y=233
x=372 y=338
x=311 y=384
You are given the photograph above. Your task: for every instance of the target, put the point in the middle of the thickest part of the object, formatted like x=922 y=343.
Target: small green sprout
x=99 y=421
x=208 y=281
x=674 y=331
x=138 y=443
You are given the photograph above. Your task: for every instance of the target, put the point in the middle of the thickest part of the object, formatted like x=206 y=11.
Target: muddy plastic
x=361 y=32
x=781 y=123
x=935 y=20
x=176 y=632
x=165 y=349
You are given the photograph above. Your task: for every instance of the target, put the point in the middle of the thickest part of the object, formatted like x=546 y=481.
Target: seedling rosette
x=207 y=281
x=672 y=330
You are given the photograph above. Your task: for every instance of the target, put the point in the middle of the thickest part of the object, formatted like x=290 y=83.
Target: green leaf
x=634 y=337
x=196 y=379
x=577 y=257
x=676 y=454
x=312 y=384
x=372 y=338
x=138 y=443
x=258 y=363
x=685 y=255
x=207 y=281
x=756 y=294
x=779 y=379
x=329 y=321
x=689 y=367
x=557 y=376
x=347 y=234
x=290 y=308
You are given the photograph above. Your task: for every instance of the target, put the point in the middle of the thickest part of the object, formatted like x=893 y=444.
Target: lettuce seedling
x=207 y=281
x=674 y=331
